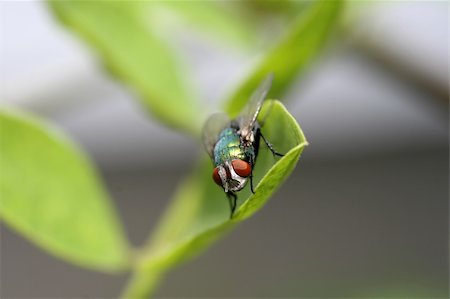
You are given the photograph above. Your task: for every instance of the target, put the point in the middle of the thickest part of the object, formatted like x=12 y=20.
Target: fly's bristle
x=233 y=183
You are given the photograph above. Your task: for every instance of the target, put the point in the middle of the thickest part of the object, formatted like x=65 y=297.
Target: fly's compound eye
x=241 y=167
x=216 y=176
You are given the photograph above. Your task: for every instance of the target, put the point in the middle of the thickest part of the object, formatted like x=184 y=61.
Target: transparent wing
x=248 y=116
x=211 y=130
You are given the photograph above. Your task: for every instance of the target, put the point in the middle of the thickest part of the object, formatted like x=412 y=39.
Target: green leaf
x=292 y=54
x=137 y=53
x=225 y=23
x=199 y=214
x=51 y=194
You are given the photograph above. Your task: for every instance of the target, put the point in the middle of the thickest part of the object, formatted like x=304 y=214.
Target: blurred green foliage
x=292 y=54
x=50 y=192
x=135 y=54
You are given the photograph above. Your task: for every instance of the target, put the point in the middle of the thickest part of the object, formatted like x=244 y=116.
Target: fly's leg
x=232 y=199
x=252 y=162
x=251 y=183
x=270 y=146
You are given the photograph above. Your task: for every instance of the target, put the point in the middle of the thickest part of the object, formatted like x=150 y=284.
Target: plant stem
x=142 y=283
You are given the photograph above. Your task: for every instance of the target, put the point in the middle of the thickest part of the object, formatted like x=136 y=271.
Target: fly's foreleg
x=232 y=200
x=251 y=183
x=252 y=162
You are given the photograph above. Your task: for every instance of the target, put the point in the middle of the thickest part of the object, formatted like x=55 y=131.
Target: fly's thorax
x=232 y=144
x=228 y=147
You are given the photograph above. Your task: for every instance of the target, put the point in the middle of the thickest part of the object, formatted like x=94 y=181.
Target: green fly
x=233 y=144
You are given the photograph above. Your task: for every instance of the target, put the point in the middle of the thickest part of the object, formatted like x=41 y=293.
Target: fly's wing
x=248 y=116
x=211 y=130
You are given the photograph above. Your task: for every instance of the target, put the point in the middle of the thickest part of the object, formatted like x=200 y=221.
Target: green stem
x=142 y=283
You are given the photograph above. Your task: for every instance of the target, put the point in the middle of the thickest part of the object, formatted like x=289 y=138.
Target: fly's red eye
x=216 y=176
x=241 y=167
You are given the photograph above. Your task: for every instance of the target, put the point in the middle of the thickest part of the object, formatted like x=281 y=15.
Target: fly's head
x=232 y=176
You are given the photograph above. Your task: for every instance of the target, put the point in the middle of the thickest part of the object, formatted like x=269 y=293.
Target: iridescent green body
x=229 y=147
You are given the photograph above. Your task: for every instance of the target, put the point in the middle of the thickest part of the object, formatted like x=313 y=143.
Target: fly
x=233 y=144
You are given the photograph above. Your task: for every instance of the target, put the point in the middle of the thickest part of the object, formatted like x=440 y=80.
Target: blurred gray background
x=365 y=214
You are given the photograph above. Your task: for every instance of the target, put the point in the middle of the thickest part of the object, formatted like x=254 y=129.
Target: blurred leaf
x=223 y=22
x=199 y=213
x=292 y=54
x=51 y=194
x=271 y=7
x=137 y=54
